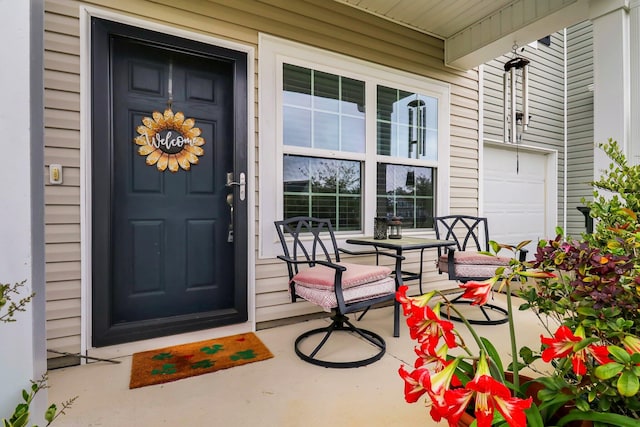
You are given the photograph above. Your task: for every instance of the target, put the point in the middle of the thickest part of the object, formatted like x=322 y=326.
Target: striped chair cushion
x=472 y=264
x=322 y=277
x=326 y=298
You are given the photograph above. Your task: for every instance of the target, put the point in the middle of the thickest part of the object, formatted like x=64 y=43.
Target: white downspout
x=565 y=100
x=481 y=140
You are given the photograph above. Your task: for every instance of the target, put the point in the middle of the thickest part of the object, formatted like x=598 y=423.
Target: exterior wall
x=23 y=354
x=546 y=102
x=327 y=25
x=579 y=123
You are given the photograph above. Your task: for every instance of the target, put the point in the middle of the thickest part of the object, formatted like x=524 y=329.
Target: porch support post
x=611 y=76
x=22 y=343
x=634 y=56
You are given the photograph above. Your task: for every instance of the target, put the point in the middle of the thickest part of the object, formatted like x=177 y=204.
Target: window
x=324 y=188
x=322 y=111
x=348 y=140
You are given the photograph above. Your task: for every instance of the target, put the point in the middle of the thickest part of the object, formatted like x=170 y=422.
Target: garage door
x=519 y=194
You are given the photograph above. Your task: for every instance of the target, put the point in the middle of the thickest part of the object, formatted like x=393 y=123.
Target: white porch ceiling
x=476 y=31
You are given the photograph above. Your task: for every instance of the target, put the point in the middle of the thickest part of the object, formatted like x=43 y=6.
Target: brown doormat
x=174 y=363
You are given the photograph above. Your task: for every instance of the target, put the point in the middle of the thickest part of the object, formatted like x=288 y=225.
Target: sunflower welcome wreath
x=169 y=140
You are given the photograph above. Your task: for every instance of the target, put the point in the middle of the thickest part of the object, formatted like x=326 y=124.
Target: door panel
x=166 y=265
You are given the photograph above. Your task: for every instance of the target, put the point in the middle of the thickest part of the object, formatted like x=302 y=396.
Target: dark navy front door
x=168 y=263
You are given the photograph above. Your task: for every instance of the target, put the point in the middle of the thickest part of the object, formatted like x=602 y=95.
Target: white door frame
x=86 y=13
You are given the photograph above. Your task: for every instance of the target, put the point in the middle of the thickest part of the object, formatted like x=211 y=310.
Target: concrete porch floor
x=280 y=392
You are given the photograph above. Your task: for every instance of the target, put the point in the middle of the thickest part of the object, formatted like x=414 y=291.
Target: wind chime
x=515 y=122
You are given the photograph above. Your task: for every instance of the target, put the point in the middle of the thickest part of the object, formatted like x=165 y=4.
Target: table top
x=405 y=243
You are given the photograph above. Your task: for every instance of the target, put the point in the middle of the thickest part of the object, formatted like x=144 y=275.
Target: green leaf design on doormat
x=203 y=364
x=162 y=356
x=246 y=354
x=167 y=368
x=212 y=349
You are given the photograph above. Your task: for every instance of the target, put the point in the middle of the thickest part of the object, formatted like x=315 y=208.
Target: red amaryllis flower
x=560 y=345
x=426 y=326
x=438 y=385
x=478 y=291
x=599 y=352
x=457 y=403
x=427 y=356
x=414 y=383
x=436 y=358
x=564 y=343
x=408 y=302
x=491 y=394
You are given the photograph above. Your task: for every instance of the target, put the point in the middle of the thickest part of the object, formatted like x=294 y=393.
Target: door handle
x=230 y=231
x=242 y=183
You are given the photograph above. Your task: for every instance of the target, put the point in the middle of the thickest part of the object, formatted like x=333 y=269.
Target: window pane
x=325 y=131
x=326 y=188
x=326 y=91
x=296 y=85
x=350 y=208
x=297 y=127
x=296 y=205
x=424 y=213
x=407 y=124
x=406 y=191
x=352 y=97
x=323 y=110
x=352 y=136
x=324 y=207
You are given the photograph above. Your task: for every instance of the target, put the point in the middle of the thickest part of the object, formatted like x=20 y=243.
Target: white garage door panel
x=516 y=197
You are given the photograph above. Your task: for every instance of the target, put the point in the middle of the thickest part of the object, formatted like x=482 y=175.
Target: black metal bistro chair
x=317 y=275
x=464 y=262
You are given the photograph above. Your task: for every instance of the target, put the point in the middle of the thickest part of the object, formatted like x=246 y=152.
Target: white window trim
x=274 y=51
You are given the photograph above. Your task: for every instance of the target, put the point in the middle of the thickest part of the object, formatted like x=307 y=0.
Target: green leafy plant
x=585 y=292
x=21 y=414
x=6 y=292
x=596 y=293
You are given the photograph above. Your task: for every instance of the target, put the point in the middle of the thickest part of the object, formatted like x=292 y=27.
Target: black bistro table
x=399 y=246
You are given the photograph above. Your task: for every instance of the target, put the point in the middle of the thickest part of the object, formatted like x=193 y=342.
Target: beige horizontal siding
x=61 y=252
x=320 y=23
x=62 y=138
x=61 y=62
x=62 y=290
x=68 y=8
x=62 y=203
x=69 y=344
x=61 y=233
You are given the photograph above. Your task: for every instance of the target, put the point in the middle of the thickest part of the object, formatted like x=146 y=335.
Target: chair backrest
x=307 y=239
x=469 y=232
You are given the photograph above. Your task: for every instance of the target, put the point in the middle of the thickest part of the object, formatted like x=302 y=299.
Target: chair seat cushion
x=322 y=277
x=473 y=264
x=326 y=298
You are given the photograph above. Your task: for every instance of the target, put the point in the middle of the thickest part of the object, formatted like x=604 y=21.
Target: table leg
x=396 y=304
x=396 y=319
